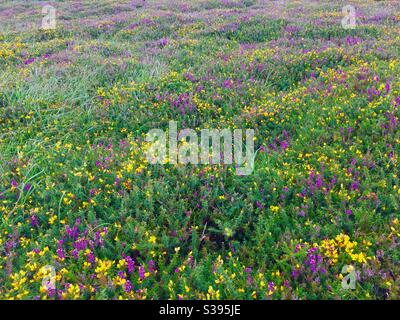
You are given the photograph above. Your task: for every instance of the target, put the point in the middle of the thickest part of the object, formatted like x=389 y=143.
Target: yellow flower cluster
x=274 y=209
x=18 y=279
x=332 y=248
x=103 y=266
x=73 y=291
x=119 y=281
x=395 y=228
x=5 y=53
x=212 y=294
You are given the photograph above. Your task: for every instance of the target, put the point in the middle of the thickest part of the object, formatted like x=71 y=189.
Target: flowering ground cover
x=84 y=215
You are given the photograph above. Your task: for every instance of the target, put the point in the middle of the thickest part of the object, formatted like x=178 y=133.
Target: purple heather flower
x=387 y=86
x=318 y=182
x=314 y=259
x=141 y=272
x=284 y=145
x=130 y=263
x=72 y=232
x=60 y=253
x=14 y=183
x=163 y=42
x=151 y=266
x=81 y=244
x=227 y=83
x=349 y=130
x=91 y=258
x=352 y=40
x=190 y=77
x=29 y=61
x=128 y=286
x=355 y=185
x=34 y=221
x=271 y=286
